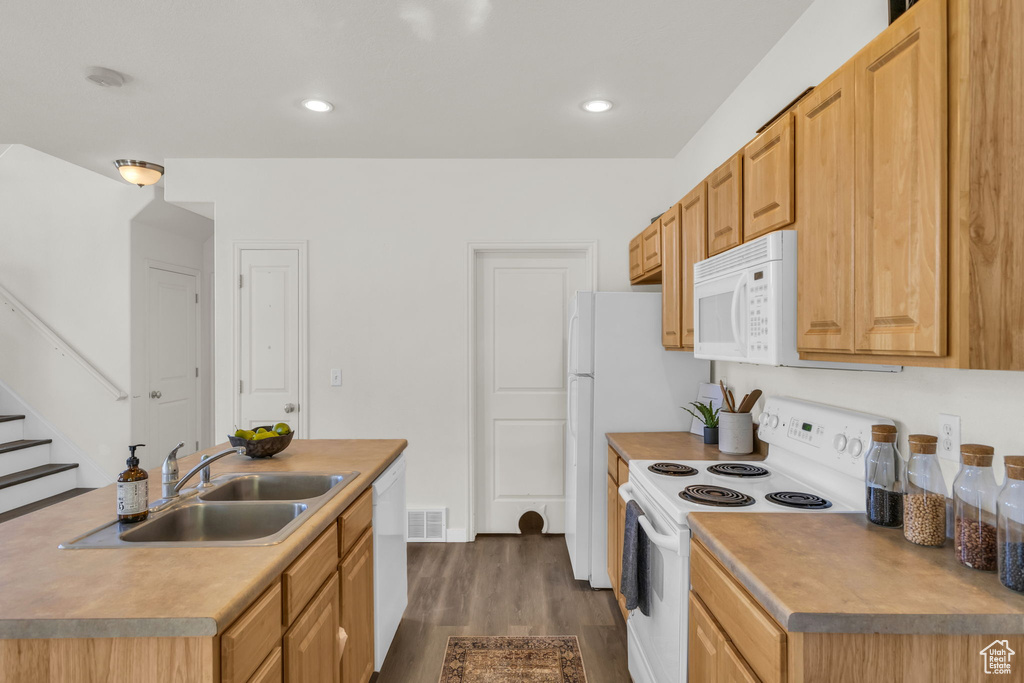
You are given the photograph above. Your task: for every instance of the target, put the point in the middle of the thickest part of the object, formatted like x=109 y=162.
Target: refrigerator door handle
x=574 y=330
x=574 y=402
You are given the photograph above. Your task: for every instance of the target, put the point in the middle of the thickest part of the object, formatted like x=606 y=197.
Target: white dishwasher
x=390 y=579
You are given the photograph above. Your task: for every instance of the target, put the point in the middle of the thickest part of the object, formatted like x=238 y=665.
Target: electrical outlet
x=335 y=377
x=949 y=437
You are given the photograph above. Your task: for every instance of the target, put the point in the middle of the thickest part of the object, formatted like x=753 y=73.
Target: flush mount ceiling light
x=596 y=106
x=140 y=173
x=105 y=78
x=319 y=106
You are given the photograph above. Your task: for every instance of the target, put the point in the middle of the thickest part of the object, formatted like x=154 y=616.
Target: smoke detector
x=106 y=78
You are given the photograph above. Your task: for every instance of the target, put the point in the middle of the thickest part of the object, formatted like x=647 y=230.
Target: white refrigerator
x=621 y=379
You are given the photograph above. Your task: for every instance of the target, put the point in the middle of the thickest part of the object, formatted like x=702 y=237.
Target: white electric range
x=815 y=463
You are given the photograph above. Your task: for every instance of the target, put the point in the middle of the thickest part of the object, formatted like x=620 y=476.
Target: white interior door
x=268 y=353
x=172 y=347
x=521 y=374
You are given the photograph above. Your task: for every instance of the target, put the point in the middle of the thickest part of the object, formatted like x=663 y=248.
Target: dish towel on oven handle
x=636 y=562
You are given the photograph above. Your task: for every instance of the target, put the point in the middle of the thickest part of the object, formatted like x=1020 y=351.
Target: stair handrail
x=61 y=345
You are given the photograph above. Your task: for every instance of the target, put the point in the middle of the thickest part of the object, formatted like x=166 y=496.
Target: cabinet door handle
x=342 y=639
x=155 y=394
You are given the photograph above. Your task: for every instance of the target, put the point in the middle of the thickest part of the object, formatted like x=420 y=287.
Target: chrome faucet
x=204 y=466
x=169 y=472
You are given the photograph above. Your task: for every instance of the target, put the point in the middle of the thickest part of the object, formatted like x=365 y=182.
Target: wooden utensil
x=751 y=399
x=727 y=398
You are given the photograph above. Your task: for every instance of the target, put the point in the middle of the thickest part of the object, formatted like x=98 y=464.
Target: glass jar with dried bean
x=974 y=505
x=883 y=478
x=1010 y=505
x=924 y=494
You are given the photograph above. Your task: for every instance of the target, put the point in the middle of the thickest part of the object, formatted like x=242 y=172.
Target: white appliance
x=815 y=451
x=745 y=306
x=390 y=578
x=620 y=380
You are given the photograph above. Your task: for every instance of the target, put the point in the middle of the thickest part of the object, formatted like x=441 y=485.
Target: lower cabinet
x=272 y=670
x=312 y=644
x=356 y=598
x=618 y=474
x=712 y=658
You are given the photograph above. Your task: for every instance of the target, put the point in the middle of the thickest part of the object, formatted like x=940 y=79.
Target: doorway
x=519 y=307
x=172 y=342
x=270 y=324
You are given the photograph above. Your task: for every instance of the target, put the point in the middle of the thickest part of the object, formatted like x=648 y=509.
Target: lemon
x=282 y=429
x=264 y=435
x=245 y=434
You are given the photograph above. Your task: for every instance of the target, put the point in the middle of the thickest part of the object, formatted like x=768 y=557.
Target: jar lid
x=976 y=455
x=923 y=443
x=1014 y=466
x=883 y=433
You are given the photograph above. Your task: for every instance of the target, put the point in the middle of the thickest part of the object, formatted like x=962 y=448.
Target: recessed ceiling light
x=597 y=106
x=106 y=78
x=319 y=106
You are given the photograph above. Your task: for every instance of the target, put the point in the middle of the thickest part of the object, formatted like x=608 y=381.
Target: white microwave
x=744 y=306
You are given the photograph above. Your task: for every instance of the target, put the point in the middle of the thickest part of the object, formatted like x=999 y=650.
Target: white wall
x=829 y=33
x=64 y=233
x=388 y=276
x=167 y=234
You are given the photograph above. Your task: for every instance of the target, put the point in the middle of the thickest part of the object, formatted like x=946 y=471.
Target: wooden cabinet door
x=311 y=644
x=900 y=260
x=825 y=216
x=650 y=247
x=614 y=566
x=732 y=668
x=671 y=280
x=620 y=532
x=706 y=643
x=725 y=205
x=693 y=233
x=768 y=201
x=636 y=263
x=357 y=611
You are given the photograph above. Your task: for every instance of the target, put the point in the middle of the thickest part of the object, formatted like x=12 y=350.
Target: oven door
x=720 y=318
x=657 y=643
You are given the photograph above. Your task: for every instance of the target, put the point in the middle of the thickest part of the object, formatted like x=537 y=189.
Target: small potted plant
x=707 y=414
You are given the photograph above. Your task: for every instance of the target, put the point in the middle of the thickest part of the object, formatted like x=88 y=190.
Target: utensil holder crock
x=735 y=433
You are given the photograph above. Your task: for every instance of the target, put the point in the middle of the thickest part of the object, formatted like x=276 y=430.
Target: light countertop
x=46 y=592
x=671 y=446
x=838 y=573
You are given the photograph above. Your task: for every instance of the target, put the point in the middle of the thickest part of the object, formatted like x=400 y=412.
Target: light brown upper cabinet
x=725 y=205
x=768 y=201
x=645 y=256
x=900 y=187
x=824 y=123
x=671 y=280
x=693 y=230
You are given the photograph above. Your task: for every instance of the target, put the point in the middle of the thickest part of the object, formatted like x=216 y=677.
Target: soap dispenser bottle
x=133 y=491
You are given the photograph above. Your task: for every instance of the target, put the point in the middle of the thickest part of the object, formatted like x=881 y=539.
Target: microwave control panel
x=759 y=314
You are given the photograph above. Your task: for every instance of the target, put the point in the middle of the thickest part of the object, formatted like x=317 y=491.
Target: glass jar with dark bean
x=1010 y=534
x=883 y=478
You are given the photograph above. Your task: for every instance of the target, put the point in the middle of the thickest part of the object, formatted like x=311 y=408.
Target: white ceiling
x=409 y=78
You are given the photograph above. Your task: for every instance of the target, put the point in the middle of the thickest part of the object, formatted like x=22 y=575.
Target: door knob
x=155 y=394
x=289 y=407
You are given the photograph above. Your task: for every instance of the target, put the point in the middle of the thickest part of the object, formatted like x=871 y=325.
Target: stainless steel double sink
x=238 y=510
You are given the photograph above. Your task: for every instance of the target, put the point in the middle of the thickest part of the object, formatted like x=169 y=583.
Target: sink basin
x=213 y=523
x=275 y=486
x=254 y=509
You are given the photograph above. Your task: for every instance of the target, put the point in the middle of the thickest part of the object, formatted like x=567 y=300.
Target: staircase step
x=40 y=504
x=23 y=456
x=28 y=486
x=12 y=428
x=19 y=444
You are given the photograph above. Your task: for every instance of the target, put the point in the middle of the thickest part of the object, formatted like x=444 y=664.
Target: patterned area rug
x=506 y=659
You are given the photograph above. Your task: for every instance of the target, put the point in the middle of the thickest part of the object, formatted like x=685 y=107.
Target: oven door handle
x=669 y=543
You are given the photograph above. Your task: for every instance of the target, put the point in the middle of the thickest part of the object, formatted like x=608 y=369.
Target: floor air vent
x=427 y=525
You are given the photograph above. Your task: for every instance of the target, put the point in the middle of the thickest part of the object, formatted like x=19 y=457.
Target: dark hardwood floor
x=498 y=586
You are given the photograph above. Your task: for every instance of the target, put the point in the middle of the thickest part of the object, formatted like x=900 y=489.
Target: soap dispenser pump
x=133 y=490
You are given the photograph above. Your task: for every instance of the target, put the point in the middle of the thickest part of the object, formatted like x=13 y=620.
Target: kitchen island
x=831 y=597
x=159 y=614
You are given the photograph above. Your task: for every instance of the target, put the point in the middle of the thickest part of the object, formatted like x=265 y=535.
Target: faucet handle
x=174 y=451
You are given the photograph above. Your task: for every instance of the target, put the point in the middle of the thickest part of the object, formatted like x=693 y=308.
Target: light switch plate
x=335 y=377
x=949 y=437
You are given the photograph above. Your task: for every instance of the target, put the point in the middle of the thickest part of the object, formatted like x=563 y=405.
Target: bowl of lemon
x=263 y=442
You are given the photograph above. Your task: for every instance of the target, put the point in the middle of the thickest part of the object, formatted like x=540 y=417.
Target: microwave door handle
x=735 y=318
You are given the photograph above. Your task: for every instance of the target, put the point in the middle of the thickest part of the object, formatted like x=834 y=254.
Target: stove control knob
x=773 y=421
x=855 y=447
x=839 y=442
x=762 y=419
